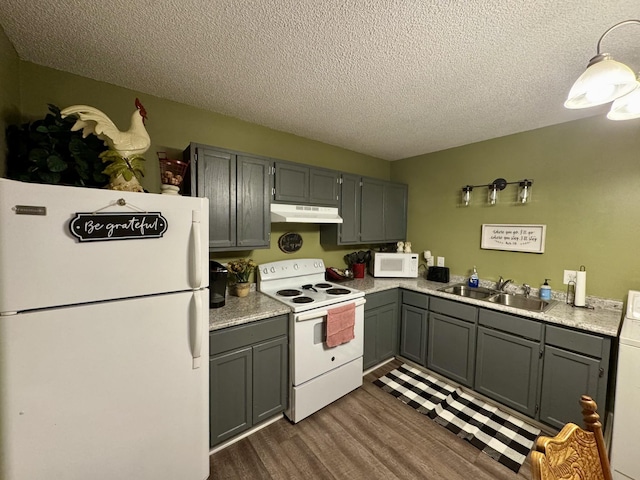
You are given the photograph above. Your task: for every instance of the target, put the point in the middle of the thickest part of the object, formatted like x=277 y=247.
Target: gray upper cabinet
x=508 y=360
x=238 y=187
x=291 y=183
x=395 y=212
x=575 y=363
x=373 y=211
x=324 y=187
x=349 y=231
x=301 y=184
x=253 y=197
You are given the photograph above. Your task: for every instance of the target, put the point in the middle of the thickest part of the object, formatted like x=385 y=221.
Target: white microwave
x=394 y=265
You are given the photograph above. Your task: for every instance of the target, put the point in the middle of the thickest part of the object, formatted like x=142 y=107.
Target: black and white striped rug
x=503 y=437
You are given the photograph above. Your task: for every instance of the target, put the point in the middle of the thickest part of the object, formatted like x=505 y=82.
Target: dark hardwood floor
x=367 y=434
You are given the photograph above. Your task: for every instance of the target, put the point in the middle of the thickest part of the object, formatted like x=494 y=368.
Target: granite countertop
x=237 y=311
x=604 y=319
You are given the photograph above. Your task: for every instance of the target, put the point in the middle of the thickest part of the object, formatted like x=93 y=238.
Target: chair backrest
x=573 y=454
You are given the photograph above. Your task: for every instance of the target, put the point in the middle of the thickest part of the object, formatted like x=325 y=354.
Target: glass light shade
x=524 y=191
x=466 y=195
x=602 y=82
x=492 y=197
x=627 y=106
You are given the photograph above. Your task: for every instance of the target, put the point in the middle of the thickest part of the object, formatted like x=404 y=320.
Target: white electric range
x=318 y=374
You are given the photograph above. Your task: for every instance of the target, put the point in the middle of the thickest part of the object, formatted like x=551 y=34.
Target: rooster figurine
x=128 y=146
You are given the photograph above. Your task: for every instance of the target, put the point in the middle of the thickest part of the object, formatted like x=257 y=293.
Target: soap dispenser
x=473 y=279
x=545 y=290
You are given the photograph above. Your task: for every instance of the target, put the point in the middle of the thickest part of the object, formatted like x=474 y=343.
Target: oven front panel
x=311 y=356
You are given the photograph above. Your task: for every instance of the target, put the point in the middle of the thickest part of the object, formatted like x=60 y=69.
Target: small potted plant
x=240 y=270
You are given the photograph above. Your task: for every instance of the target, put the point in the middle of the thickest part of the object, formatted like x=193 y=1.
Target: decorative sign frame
x=96 y=227
x=290 y=242
x=514 y=237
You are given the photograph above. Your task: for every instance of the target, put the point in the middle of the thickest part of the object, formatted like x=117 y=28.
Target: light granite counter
x=604 y=319
x=237 y=311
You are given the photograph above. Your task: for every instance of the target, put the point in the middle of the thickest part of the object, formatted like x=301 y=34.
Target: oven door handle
x=303 y=317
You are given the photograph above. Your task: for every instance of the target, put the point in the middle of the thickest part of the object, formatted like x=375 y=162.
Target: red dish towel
x=340 y=325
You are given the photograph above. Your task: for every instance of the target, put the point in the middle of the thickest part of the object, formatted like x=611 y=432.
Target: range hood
x=281 y=212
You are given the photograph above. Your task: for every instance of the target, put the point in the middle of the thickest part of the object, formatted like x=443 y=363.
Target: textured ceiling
x=388 y=78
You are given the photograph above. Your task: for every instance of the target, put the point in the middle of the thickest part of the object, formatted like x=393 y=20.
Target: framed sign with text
x=95 y=227
x=513 y=238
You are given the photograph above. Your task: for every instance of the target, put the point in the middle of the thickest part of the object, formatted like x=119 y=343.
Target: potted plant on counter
x=241 y=270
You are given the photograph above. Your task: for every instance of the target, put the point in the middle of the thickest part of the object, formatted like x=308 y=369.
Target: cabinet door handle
x=601 y=374
x=541 y=353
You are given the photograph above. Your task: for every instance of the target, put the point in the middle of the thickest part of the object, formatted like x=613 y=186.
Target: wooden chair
x=573 y=454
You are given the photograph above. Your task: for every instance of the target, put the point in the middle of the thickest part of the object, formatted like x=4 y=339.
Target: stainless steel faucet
x=502 y=284
x=527 y=289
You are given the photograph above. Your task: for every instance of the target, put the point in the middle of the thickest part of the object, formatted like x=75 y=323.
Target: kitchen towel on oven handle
x=340 y=324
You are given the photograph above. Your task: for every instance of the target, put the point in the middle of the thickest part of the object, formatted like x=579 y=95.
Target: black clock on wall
x=290 y=242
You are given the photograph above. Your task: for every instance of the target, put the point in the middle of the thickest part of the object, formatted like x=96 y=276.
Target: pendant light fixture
x=606 y=80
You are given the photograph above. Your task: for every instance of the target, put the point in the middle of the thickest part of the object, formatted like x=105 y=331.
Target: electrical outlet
x=430 y=261
x=569 y=276
x=441 y=261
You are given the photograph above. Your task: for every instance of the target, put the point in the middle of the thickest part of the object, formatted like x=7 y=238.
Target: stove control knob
x=265 y=270
x=296 y=266
x=273 y=270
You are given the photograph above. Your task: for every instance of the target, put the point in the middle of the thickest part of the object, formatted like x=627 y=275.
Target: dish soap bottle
x=545 y=290
x=473 y=279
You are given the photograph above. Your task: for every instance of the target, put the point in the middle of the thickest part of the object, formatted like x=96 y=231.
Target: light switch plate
x=441 y=261
x=569 y=276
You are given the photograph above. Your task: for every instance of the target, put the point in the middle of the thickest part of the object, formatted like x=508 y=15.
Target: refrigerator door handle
x=196 y=253
x=196 y=315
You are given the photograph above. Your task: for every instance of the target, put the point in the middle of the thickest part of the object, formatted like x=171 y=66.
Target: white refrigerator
x=103 y=334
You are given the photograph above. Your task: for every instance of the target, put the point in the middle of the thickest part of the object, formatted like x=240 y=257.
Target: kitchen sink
x=479 y=293
x=495 y=296
x=520 y=301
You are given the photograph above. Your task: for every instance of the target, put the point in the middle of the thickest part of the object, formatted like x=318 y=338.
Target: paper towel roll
x=581 y=289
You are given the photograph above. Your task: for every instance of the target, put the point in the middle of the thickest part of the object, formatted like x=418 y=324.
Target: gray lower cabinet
x=414 y=318
x=248 y=380
x=508 y=360
x=451 y=342
x=301 y=184
x=575 y=364
x=238 y=187
x=380 y=327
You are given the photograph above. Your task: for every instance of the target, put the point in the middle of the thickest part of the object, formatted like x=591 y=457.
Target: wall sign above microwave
x=95 y=227
x=514 y=238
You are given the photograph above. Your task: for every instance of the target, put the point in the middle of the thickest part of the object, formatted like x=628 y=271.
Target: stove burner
x=338 y=291
x=323 y=285
x=289 y=293
x=309 y=286
x=302 y=300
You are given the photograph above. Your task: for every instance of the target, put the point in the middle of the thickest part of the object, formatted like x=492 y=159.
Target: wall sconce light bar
x=499 y=184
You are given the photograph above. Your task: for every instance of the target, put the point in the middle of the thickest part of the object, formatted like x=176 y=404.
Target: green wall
x=586 y=191
x=9 y=92
x=172 y=126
